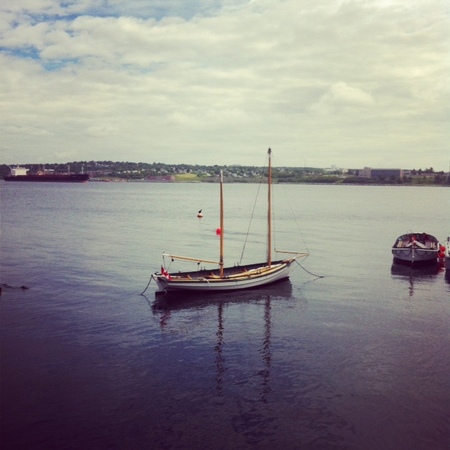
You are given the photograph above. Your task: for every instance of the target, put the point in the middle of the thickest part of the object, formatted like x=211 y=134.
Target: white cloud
x=346 y=83
x=341 y=96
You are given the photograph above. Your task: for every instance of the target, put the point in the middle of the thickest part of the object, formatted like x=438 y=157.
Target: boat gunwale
x=202 y=284
x=237 y=273
x=429 y=238
x=246 y=274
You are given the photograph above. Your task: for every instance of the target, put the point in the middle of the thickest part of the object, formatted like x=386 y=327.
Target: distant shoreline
x=107 y=171
x=234 y=181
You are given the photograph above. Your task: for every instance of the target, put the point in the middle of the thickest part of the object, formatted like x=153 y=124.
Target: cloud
x=347 y=83
x=341 y=96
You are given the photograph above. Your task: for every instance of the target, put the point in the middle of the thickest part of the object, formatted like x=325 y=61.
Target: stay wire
x=251 y=217
x=302 y=237
x=295 y=219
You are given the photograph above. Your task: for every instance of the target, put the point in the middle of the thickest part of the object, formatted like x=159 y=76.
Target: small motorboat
x=416 y=248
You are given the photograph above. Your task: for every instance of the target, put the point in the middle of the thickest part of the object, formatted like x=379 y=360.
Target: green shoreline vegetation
x=185 y=173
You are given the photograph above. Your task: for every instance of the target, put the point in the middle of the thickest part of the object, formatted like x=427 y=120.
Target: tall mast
x=221 y=226
x=269 y=211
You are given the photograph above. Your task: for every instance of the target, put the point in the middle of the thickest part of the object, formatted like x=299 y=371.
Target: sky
x=322 y=82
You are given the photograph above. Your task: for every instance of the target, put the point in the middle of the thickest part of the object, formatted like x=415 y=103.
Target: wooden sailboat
x=231 y=278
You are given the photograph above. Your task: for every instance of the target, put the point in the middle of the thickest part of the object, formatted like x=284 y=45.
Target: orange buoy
x=218 y=231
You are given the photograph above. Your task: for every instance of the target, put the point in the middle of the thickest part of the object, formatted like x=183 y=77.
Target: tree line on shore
x=131 y=171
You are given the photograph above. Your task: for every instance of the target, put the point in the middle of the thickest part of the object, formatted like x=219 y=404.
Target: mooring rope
x=307 y=271
x=148 y=284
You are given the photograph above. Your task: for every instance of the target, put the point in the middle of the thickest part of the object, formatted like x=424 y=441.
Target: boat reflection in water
x=167 y=307
x=187 y=300
x=415 y=274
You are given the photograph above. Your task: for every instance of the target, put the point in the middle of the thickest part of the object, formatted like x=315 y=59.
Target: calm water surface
x=358 y=359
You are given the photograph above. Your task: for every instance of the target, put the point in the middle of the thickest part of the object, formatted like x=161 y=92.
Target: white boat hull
x=244 y=279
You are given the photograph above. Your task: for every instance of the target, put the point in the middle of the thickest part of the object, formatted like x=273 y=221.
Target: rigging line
x=253 y=212
x=295 y=220
x=250 y=223
x=164 y=262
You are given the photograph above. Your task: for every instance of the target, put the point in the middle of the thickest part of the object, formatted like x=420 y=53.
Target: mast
x=269 y=211
x=221 y=226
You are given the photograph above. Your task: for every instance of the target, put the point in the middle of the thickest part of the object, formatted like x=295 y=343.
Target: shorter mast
x=221 y=226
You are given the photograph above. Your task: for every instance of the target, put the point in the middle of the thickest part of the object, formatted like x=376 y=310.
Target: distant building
x=336 y=170
x=368 y=172
x=365 y=173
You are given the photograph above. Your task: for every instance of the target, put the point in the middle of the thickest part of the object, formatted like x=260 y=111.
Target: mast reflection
x=266 y=351
x=219 y=360
x=165 y=309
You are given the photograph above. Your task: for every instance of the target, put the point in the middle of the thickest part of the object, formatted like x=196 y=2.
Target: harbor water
x=352 y=352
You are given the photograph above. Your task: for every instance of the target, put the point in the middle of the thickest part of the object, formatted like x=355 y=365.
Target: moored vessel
x=235 y=277
x=416 y=248
x=20 y=174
